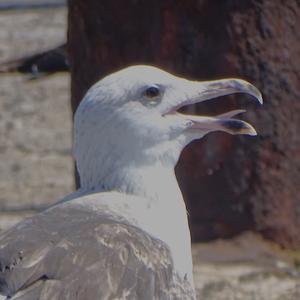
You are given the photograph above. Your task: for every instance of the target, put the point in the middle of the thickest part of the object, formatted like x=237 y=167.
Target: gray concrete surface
x=35 y=120
x=31 y=4
x=36 y=169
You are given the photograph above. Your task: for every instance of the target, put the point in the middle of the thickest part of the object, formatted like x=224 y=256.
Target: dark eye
x=152 y=91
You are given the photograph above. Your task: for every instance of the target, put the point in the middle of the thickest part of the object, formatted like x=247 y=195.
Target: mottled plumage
x=78 y=251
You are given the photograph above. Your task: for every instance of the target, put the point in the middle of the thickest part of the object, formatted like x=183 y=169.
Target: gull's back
x=83 y=250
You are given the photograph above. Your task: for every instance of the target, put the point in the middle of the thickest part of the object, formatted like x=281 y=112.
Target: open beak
x=201 y=91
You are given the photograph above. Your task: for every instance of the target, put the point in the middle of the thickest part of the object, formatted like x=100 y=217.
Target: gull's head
x=131 y=117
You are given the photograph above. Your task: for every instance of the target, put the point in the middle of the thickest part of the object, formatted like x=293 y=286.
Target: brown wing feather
x=73 y=253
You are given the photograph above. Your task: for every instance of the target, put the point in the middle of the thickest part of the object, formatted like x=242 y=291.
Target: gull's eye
x=152 y=91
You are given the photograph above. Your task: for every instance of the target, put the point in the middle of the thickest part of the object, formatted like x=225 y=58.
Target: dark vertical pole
x=231 y=184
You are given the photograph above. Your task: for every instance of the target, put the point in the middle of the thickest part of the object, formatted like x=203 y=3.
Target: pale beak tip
x=260 y=98
x=255 y=92
x=251 y=132
x=235 y=126
x=247 y=131
x=247 y=87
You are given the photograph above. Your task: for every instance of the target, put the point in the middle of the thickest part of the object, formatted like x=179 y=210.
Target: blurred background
x=35 y=117
x=242 y=193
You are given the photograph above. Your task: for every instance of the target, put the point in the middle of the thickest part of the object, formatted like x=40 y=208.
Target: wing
x=69 y=252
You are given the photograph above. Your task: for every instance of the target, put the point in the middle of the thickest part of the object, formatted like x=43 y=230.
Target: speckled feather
x=86 y=253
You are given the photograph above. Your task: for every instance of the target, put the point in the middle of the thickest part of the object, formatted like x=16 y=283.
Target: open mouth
x=203 y=91
x=224 y=122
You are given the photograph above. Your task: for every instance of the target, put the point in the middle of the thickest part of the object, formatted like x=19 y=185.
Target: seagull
x=124 y=234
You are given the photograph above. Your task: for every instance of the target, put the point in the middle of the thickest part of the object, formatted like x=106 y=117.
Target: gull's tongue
x=221 y=122
x=230 y=114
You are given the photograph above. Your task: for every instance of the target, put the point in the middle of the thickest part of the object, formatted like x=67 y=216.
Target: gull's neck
x=153 y=182
x=157 y=187
x=156 y=184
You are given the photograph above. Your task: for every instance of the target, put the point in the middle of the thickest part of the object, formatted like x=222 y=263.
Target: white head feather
x=128 y=138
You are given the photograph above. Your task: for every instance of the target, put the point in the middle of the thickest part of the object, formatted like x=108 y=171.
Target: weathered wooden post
x=231 y=183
